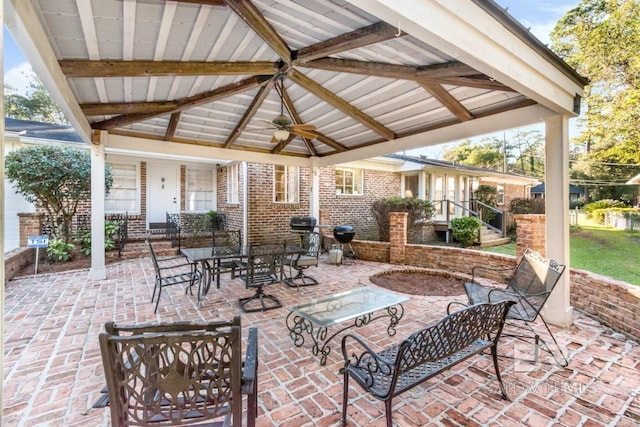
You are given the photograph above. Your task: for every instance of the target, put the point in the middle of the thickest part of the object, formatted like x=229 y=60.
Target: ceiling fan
x=284 y=127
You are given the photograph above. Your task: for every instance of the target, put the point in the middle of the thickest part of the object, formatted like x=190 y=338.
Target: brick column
x=30 y=225
x=397 y=237
x=530 y=233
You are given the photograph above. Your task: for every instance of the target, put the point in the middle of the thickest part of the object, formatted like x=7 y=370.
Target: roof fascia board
x=481 y=126
x=165 y=149
x=23 y=23
x=484 y=43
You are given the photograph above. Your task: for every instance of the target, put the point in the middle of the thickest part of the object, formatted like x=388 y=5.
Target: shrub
x=465 y=230
x=417 y=210
x=527 y=206
x=602 y=204
x=83 y=237
x=58 y=250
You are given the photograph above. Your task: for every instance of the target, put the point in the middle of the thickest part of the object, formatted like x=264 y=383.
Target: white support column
x=98 y=270
x=314 y=196
x=245 y=202
x=558 y=309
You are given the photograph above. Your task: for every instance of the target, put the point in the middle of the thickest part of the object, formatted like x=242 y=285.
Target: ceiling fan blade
x=269 y=122
x=273 y=140
x=304 y=134
x=303 y=127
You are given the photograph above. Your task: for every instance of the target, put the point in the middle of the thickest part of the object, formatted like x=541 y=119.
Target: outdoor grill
x=302 y=224
x=343 y=233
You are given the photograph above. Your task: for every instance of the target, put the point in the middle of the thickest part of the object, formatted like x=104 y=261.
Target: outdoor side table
x=357 y=307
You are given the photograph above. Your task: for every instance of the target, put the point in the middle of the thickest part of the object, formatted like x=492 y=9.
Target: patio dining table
x=208 y=259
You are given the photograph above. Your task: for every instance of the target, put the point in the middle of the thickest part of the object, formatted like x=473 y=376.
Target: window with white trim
x=349 y=181
x=199 y=190
x=286 y=185
x=123 y=195
x=500 y=194
x=233 y=183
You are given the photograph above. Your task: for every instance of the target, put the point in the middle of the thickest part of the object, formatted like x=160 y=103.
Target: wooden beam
x=331 y=142
x=444 y=70
x=252 y=16
x=340 y=104
x=204 y=2
x=372 y=34
x=354 y=66
x=80 y=68
x=479 y=82
x=116 y=108
x=248 y=114
x=186 y=103
x=288 y=103
x=173 y=125
x=448 y=100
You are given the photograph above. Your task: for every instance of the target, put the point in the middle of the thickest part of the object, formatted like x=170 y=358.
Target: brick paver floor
x=53 y=371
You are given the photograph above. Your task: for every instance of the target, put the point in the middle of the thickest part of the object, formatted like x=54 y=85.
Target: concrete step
x=495 y=242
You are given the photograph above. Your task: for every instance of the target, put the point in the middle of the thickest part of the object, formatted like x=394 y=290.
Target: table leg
x=299 y=327
x=203 y=288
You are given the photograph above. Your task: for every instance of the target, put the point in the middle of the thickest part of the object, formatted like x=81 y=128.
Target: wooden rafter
x=340 y=104
x=186 y=103
x=117 y=108
x=80 y=68
x=448 y=100
x=372 y=34
x=252 y=16
x=288 y=103
x=479 y=82
x=173 y=125
x=248 y=114
x=354 y=66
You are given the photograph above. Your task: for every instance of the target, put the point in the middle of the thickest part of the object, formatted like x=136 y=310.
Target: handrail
x=477 y=215
x=502 y=228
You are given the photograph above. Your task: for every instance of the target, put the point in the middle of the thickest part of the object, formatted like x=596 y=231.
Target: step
x=495 y=242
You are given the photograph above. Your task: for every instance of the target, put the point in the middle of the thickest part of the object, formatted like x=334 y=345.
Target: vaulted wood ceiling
x=208 y=72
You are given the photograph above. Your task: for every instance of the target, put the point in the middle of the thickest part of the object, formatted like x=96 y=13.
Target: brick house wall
x=233 y=211
x=356 y=210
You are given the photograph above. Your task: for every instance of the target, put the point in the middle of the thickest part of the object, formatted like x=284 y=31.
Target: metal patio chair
x=531 y=283
x=179 y=373
x=228 y=238
x=302 y=260
x=264 y=265
x=171 y=271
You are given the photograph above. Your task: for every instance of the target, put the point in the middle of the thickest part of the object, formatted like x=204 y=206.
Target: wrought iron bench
x=423 y=354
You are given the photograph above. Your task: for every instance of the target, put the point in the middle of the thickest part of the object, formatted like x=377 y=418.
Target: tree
x=37 y=105
x=522 y=153
x=55 y=178
x=601 y=39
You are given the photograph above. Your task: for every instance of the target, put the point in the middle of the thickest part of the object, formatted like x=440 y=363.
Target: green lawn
x=608 y=251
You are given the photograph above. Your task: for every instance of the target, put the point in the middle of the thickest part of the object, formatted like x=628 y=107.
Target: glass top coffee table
x=357 y=307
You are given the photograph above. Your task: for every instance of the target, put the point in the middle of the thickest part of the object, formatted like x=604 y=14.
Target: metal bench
x=423 y=354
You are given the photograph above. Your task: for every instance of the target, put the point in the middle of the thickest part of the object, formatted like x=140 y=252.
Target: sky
x=539 y=16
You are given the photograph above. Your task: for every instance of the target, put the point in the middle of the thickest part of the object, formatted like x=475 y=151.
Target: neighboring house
x=264 y=195
x=576 y=193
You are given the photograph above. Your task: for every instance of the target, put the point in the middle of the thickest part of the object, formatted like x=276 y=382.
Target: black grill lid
x=302 y=223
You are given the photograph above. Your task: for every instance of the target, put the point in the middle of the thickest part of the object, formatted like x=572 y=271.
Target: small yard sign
x=37 y=242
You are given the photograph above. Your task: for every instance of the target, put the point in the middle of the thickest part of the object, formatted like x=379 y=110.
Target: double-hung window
x=349 y=181
x=286 y=184
x=500 y=194
x=123 y=195
x=199 y=190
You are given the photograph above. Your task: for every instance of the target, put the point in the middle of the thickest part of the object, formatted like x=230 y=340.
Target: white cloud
x=18 y=77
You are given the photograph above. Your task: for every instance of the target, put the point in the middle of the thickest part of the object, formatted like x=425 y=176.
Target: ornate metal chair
x=302 y=260
x=264 y=265
x=530 y=284
x=171 y=271
x=179 y=373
